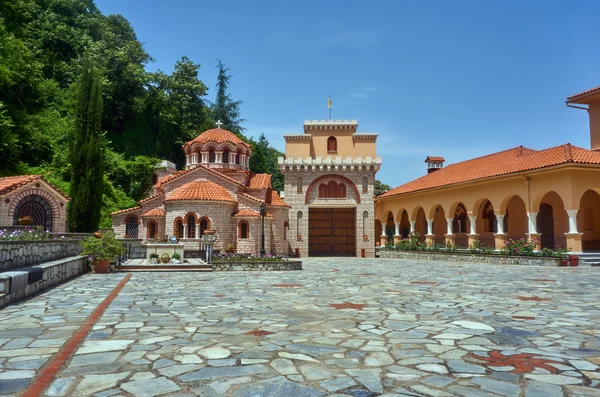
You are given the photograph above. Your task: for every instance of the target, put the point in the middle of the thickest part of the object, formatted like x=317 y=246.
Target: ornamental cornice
x=365 y=137
x=289 y=138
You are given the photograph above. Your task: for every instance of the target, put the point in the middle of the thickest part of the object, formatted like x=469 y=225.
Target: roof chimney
x=434 y=163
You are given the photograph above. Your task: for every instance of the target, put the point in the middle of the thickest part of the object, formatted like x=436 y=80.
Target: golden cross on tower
x=219 y=124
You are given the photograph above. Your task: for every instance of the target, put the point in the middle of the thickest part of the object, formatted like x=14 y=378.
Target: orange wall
x=594 y=113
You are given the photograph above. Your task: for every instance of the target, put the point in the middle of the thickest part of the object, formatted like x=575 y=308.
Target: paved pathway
x=341 y=327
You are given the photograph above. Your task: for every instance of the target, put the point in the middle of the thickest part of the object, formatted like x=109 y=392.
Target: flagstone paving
x=340 y=327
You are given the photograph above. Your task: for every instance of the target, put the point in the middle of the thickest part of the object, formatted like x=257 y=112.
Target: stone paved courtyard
x=341 y=327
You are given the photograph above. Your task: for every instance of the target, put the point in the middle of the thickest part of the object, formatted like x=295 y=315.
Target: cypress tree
x=225 y=108
x=259 y=162
x=86 y=154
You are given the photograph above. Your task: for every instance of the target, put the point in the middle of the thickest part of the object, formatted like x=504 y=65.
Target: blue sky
x=456 y=79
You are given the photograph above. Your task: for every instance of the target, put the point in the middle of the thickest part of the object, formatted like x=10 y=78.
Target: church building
x=329 y=182
x=216 y=190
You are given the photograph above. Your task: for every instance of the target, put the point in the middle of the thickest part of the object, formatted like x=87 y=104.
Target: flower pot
x=563 y=262
x=97 y=234
x=574 y=260
x=101 y=266
x=25 y=221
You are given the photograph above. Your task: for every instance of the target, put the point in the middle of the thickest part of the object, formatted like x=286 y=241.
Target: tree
x=225 y=108
x=381 y=187
x=259 y=162
x=86 y=154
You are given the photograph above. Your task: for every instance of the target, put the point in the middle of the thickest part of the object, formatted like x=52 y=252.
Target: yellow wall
x=594 y=113
x=349 y=144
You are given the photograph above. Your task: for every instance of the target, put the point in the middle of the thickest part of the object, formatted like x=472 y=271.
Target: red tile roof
x=507 y=162
x=583 y=93
x=259 y=181
x=10 y=183
x=151 y=197
x=202 y=191
x=435 y=158
x=217 y=135
x=178 y=174
x=126 y=210
x=248 y=213
x=275 y=200
x=155 y=213
x=250 y=197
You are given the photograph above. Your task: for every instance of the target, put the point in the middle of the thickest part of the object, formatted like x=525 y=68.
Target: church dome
x=218 y=136
x=200 y=191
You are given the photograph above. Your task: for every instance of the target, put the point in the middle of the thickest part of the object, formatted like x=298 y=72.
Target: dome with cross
x=218 y=148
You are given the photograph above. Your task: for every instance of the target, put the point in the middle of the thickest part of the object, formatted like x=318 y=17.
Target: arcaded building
x=216 y=191
x=329 y=174
x=551 y=195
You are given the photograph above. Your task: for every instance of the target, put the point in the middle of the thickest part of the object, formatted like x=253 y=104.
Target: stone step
x=19 y=283
x=165 y=268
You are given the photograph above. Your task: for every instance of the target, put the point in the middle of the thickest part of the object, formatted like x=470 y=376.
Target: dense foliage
x=147 y=115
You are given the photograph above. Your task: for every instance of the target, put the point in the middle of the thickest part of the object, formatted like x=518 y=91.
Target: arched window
x=154 y=179
x=243 y=229
x=299 y=184
x=225 y=157
x=198 y=157
x=191 y=226
x=332 y=189
x=341 y=193
x=152 y=230
x=331 y=144
x=459 y=223
x=211 y=156
x=178 y=228
x=37 y=208
x=238 y=157
x=298 y=220
x=322 y=190
x=588 y=219
x=286 y=225
x=131 y=227
x=364 y=226
x=204 y=225
x=490 y=224
x=365 y=184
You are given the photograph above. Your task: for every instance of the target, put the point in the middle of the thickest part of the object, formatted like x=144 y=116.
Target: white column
x=429 y=227
x=397 y=228
x=449 y=224
x=412 y=225
x=532 y=224
x=473 y=221
x=500 y=223
x=219 y=157
x=572 y=221
x=194 y=158
x=197 y=230
x=185 y=226
x=187 y=159
x=204 y=159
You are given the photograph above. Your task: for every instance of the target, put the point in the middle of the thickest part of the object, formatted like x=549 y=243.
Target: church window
x=299 y=184
x=331 y=189
x=178 y=228
x=191 y=226
x=211 y=156
x=238 y=157
x=204 y=225
x=365 y=184
x=152 y=230
x=298 y=228
x=331 y=144
x=322 y=190
x=226 y=156
x=364 y=225
x=243 y=229
x=131 y=227
x=341 y=191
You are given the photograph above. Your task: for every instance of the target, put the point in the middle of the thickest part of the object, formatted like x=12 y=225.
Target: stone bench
x=23 y=282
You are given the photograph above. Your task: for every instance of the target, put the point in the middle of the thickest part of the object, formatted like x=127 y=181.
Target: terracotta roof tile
x=275 y=200
x=434 y=158
x=178 y=174
x=10 y=183
x=248 y=213
x=583 y=93
x=217 y=135
x=202 y=191
x=151 y=197
x=507 y=162
x=249 y=197
x=259 y=181
x=155 y=213
x=126 y=210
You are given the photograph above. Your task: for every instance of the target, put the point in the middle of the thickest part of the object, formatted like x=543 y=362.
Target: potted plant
x=165 y=258
x=562 y=256
x=26 y=220
x=230 y=249
x=154 y=258
x=176 y=258
x=574 y=260
x=101 y=251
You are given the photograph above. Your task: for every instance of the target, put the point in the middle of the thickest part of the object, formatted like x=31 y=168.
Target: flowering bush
x=522 y=246
x=29 y=234
x=231 y=257
x=412 y=243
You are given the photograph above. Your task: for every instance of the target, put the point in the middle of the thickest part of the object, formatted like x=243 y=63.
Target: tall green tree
x=259 y=161
x=225 y=108
x=86 y=154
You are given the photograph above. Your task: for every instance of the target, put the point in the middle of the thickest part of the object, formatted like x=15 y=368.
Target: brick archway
x=327 y=177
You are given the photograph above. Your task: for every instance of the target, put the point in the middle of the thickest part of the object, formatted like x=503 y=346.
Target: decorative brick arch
x=37 y=192
x=317 y=181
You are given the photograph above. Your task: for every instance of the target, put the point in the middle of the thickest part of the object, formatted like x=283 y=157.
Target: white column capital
x=532 y=227
x=412 y=225
x=449 y=224
x=397 y=228
x=429 y=227
x=500 y=224
x=572 y=212
x=473 y=223
x=572 y=221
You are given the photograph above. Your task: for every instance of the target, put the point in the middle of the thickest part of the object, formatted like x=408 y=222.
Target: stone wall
x=134 y=248
x=257 y=266
x=468 y=257
x=16 y=254
x=55 y=272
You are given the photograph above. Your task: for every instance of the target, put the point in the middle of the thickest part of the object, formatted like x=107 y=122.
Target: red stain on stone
x=423 y=282
x=259 y=332
x=365 y=274
x=532 y=298
x=348 y=305
x=543 y=280
x=523 y=318
x=287 y=285
x=392 y=290
x=218 y=296
x=523 y=362
x=335 y=270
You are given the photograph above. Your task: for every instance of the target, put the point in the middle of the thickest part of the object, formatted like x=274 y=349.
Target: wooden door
x=545 y=225
x=332 y=232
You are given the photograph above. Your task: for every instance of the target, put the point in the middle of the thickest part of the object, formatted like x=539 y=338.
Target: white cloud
x=365 y=92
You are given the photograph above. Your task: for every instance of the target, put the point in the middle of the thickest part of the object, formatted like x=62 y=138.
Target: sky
x=458 y=79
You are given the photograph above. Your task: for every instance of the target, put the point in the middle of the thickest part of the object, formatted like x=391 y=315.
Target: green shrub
x=176 y=256
x=522 y=247
x=106 y=247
